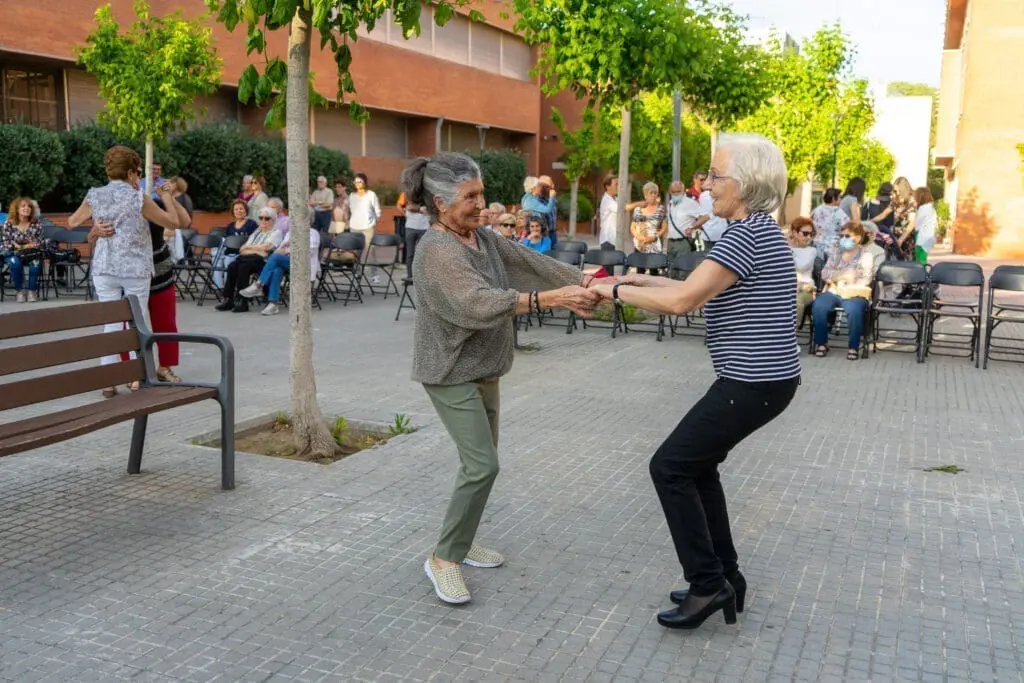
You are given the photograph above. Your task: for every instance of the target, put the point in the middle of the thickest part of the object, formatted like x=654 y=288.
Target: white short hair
x=320 y=177
x=277 y=201
x=496 y=206
x=529 y=183
x=651 y=187
x=757 y=165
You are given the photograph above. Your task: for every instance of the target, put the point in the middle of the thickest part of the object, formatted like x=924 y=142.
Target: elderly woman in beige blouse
x=470 y=283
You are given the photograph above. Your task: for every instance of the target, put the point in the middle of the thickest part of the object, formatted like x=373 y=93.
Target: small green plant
x=368 y=442
x=401 y=425
x=281 y=419
x=948 y=469
x=529 y=348
x=339 y=429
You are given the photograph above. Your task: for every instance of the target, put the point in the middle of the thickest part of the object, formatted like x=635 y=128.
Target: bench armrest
x=227 y=356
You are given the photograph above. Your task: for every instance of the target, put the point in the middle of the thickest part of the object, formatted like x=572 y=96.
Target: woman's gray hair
x=440 y=176
x=651 y=187
x=757 y=165
x=530 y=182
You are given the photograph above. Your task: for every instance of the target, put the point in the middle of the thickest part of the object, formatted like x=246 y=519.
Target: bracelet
x=536 y=300
x=529 y=303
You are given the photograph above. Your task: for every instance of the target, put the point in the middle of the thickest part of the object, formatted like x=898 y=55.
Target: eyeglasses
x=508 y=225
x=714 y=177
x=266 y=218
x=806 y=234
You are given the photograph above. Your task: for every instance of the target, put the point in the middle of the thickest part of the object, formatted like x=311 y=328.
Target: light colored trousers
x=470 y=414
x=113 y=288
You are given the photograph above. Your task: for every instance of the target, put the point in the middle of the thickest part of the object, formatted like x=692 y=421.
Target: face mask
x=676 y=198
x=847 y=243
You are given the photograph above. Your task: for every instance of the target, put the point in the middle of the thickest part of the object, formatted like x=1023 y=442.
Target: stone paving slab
x=861 y=565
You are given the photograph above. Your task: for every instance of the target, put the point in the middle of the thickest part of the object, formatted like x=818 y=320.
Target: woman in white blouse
x=364 y=208
x=926 y=221
x=801 y=241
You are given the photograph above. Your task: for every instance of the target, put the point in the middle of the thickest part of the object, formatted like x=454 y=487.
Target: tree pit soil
x=275 y=440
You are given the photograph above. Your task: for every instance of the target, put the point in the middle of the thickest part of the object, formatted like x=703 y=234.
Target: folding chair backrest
x=204 y=241
x=73 y=237
x=188 y=233
x=571 y=245
x=570 y=257
x=640 y=260
x=235 y=241
x=51 y=231
x=385 y=241
x=687 y=263
x=349 y=241
x=1009 y=278
x=604 y=257
x=957 y=274
x=901 y=273
x=219 y=232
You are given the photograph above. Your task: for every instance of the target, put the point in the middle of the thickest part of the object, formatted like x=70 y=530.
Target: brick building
x=981 y=123
x=462 y=86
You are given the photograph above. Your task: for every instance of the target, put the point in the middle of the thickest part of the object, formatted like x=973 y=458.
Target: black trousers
x=685 y=473
x=241 y=271
x=412 y=238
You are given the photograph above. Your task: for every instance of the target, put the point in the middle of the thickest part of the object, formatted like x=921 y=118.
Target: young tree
x=580 y=156
x=151 y=74
x=286 y=85
x=611 y=51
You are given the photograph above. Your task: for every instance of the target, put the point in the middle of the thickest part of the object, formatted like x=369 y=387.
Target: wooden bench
x=153 y=396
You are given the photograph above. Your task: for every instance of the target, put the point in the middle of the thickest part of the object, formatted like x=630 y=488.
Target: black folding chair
x=905 y=273
x=342 y=267
x=649 y=262
x=680 y=269
x=1002 y=312
x=568 y=257
x=75 y=274
x=955 y=274
x=205 y=258
x=406 y=297
x=607 y=259
x=572 y=246
x=385 y=264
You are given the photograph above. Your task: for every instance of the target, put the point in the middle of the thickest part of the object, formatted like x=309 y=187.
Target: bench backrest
x=29 y=357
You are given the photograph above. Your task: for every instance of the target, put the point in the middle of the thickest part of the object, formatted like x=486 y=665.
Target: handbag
x=30 y=254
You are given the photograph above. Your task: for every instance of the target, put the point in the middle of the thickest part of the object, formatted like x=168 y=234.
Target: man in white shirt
x=609 y=213
x=684 y=217
x=715 y=226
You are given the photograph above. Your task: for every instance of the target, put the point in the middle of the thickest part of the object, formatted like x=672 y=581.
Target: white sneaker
x=32 y=297
x=448 y=583
x=252 y=291
x=20 y=297
x=478 y=556
x=271 y=309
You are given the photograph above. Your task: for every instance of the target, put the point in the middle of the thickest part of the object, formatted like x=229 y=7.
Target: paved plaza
x=862 y=566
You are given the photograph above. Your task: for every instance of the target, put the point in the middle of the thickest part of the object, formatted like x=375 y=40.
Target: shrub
x=30 y=161
x=84 y=147
x=504 y=171
x=387 y=194
x=329 y=163
x=213 y=159
x=584 y=207
x=942 y=212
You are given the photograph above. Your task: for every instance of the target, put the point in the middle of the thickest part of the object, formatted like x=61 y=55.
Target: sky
x=895 y=40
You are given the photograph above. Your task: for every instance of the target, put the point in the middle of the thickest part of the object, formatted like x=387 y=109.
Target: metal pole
x=677 y=125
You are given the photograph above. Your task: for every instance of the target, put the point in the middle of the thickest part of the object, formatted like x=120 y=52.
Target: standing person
x=684 y=217
x=648 y=223
x=552 y=208
x=903 y=219
x=417 y=222
x=926 y=222
x=746 y=286
x=179 y=189
x=156 y=179
x=853 y=199
x=122 y=262
x=828 y=219
x=340 y=211
x=20 y=241
x=470 y=283
x=251 y=259
x=609 y=212
x=365 y=209
x=259 y=197
x=163 y=300
x=538 y=203
x=240 y=225
x=246 y=194
x=697 y=186
x=321 y=200
x=714 y=226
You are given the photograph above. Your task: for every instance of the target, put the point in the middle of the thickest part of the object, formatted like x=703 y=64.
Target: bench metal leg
x=227 y=442
x=138 y=441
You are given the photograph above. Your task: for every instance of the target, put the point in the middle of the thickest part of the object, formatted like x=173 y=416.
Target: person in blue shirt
x=157 y=180
x=540 y=202
x=536 y=239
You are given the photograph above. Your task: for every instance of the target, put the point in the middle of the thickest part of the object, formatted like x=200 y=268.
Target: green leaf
x=247 y=84
x=255 y=42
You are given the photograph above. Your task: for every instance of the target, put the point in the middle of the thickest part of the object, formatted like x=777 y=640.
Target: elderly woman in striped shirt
x=746 y=286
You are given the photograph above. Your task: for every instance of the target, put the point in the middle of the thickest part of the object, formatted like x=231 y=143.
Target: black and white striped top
x=752 y=325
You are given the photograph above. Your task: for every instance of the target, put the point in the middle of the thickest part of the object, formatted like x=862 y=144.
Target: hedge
x=504 y=171
x=59 y=168
x=31 y=161
x=584 y=207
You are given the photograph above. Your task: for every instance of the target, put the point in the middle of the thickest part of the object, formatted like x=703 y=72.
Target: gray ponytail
x=440 y=176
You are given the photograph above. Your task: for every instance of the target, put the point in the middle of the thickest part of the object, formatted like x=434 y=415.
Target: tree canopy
x=151 y=74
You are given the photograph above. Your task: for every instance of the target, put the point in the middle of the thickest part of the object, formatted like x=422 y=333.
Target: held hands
x=579 y=300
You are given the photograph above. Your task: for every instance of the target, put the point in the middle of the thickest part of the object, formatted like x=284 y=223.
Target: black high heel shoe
x=739 y=584
x=689 y=616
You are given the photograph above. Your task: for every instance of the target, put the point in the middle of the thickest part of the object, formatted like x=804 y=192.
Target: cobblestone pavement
x=861 y=565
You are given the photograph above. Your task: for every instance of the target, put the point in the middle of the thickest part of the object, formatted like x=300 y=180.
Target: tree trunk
x=677 y=139
x=310 y=432
x=574 y=194
x=622 y=236
x=149 y=165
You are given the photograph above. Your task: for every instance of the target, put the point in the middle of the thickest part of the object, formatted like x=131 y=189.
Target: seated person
x=535 y=238
x=240 y=224
x=847 y=276
x=506 y=226
x=801 y=241
x=871 y=245
x=251 y=259
x=277 y=265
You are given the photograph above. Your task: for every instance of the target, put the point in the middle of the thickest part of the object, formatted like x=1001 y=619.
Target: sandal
x=167 y=375
x=852 y=354
x=821 y=351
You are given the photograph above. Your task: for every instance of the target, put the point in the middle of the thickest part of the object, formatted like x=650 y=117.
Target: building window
x=32 y=96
